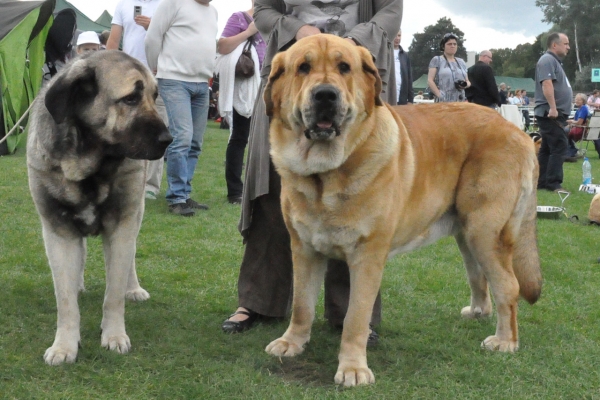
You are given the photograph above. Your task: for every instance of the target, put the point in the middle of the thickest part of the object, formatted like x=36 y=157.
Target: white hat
x=88 y=37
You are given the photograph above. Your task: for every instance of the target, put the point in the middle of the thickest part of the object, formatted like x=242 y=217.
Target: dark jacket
x=483 y=88
x=406 y=88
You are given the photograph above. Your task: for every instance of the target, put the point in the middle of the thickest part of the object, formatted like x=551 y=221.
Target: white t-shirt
x=398 y=71
x=133 y=34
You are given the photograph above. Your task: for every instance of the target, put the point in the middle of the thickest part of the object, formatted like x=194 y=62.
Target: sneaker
x=150 y=195
x=194 y=204
x=181 y=209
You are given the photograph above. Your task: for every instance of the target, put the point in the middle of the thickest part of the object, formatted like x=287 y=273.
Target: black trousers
x=265 y=282
x=552 y=152
x=527 y=118
x=234 y=155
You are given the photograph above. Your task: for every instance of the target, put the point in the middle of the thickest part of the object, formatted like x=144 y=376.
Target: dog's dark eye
x=132 y=99
x=344 y=68
x=304 y=68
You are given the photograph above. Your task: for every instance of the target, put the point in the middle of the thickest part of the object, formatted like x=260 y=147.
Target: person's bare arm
x=116 y=31
x=226 y=45
x=430 y=80
x=548 y=90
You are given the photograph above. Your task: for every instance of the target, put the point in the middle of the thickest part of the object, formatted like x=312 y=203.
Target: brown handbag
x=245 y=65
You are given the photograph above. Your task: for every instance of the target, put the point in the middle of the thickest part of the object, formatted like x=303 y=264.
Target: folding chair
x=592 y=131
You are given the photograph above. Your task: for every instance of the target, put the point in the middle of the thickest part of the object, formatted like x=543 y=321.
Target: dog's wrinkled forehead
x=323 y=55
x=123 y=76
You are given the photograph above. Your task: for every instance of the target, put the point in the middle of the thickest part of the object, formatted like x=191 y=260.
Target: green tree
x=500 y=57
x=521 y=61
x=426 y=45
x=579 y=20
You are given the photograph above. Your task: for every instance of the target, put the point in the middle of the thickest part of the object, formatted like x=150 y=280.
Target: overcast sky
x=486 y=23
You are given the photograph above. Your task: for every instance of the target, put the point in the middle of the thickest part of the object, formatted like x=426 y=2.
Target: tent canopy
x=83 y=22
x=24 y=27
x=105 y=19
x=514 y=83
x=517 y=83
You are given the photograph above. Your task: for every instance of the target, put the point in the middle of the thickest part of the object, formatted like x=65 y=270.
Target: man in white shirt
x=131 y=26
x=181 y=47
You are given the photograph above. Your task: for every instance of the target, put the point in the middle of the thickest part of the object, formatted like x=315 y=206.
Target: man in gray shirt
x=553 y=103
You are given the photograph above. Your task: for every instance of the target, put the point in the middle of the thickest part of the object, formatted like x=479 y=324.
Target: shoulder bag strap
x=249 y=21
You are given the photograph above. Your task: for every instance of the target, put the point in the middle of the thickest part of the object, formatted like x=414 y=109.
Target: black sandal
x=240 y=326
x=373 y=337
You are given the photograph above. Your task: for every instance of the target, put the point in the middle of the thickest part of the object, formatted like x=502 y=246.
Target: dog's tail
x=526 y=260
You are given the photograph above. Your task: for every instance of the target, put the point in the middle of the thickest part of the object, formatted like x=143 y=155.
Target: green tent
x=517 y=83
x=421 y=83
x=105 y=19
x=83 y=22
x=24 y=27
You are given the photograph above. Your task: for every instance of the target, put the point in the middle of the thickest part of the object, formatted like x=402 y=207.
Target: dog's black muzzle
x=325 y=115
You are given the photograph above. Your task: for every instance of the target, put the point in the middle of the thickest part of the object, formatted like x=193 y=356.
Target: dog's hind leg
x=481 y=303
x=309 y=273
x=66 y=255
x=134 y=291
x=492 y=247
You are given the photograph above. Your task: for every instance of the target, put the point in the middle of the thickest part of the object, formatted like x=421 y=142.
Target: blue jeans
x=187 y=108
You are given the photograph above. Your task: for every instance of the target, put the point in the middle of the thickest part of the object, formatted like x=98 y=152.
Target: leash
x=16 y=125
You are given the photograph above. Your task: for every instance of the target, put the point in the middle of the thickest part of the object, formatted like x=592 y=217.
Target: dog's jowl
x=91 y=130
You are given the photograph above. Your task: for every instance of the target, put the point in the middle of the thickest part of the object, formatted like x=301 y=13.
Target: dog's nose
x=326 y=94
x=165 y=137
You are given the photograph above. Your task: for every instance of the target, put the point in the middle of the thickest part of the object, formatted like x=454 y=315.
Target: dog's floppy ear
x=277 y=69
x=70 y=89
x=369 y=69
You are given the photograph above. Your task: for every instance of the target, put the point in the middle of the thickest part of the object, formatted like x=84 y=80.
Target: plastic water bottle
x=587 y=171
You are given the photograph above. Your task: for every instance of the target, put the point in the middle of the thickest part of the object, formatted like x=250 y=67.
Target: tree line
x=576 y=18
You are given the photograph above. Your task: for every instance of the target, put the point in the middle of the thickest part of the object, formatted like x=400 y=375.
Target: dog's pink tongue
x=324 y=125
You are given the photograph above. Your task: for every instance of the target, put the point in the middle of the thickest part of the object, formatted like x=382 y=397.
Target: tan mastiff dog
x=362 y=181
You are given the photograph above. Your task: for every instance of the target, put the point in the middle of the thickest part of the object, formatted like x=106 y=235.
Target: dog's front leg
x=66 y=255
x=309 y=272
x=119 y=253
x=366 y=270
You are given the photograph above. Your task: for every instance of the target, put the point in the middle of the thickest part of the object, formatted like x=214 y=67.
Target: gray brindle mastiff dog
x=91 y=130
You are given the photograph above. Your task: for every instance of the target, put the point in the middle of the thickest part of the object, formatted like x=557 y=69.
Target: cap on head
x=88 y=37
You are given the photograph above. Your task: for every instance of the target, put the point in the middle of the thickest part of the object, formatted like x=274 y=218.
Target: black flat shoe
x=373 y=337
x=240 y=326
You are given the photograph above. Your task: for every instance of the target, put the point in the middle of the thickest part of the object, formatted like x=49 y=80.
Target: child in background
x=87 y=41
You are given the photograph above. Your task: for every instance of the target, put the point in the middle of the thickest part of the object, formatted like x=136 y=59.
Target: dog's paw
x=350 y=376
x=59 y=354
x=474 y=312
x=138 y=294
x=283 y=348
x=118 y=343
x=494 y=343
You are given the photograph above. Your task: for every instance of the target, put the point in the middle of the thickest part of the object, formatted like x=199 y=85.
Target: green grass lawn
x=190 y=267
